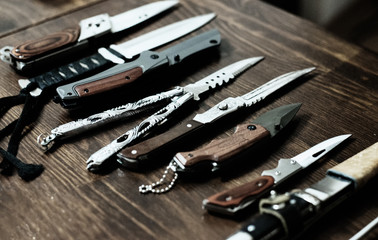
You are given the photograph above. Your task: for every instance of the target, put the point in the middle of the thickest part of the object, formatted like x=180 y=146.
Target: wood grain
x=68 y=202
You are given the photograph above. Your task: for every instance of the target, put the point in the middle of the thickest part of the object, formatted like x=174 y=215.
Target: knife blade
x=289 y=215
x=185 y=94
x=108 y=57
x=222 y=152
x=140 y=154
x=71 y=41
x=123 y=74
x=235 y=200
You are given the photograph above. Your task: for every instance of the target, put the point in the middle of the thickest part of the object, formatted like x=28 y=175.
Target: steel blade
x=221 y=76
x=135 y=16
x=273 y=85
x=161 y=36
x=319 y=150
x=276 y=119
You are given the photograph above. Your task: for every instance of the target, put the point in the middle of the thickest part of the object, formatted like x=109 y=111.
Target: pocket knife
x=233 y=201
x=221 y=152
x=70 y=41
x=120 y=75
x=288 y=215
x=139 y=155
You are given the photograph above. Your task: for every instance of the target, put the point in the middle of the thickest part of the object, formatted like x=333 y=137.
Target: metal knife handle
x=232 y=200
x=140 y=153
x=219 y=150
x=359 y=168
x=32 y=49
x=142 y=129
x=77 y=127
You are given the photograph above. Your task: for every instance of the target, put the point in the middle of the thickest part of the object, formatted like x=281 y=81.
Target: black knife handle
x=69 y=72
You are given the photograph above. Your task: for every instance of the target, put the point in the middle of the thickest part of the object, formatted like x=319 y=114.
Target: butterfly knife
x=233 y=201
x=115 y=54
x=120 y=75
x=287 y=216
x=182 y=96
x=220 y=153
x=141 y=154
x=191 y=91
x=68 y=42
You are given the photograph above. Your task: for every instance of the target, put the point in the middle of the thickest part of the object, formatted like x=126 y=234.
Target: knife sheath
x=359 y=168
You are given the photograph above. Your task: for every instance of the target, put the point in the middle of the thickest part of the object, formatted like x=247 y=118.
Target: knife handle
x=140 y=154
x=234 y=197
x=360 y=167
x=219 y=150
x=32 y=49
x=106 y=84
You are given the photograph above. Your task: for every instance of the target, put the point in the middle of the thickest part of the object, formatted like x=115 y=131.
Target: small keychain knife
x=233 y=201
x=68 y=42
x=139 y=155
x=219 y=153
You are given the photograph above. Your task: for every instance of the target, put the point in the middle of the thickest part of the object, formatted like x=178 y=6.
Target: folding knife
x=288 y=215
x=139 y=155
x=182 y=96
x=220 y=153
x=123 y=74
x=69 y=42
x=233 y=201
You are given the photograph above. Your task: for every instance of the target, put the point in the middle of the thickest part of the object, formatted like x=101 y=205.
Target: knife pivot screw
x=293 y=162
x=251 y=228
x=154 y=56
x=134 y=152
x=223 y=106
x=251 y=127
x=277 y=173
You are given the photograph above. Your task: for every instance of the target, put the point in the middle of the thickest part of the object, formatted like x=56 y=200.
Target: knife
x=139 y=155
x=126 y=73
x=71 y=41
x=115 y=54
x=287 y=216
x=181 y=97
x=235 y=200
x=220 y=153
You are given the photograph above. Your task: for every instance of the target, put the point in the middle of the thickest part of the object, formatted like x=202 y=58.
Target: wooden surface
x=68 y=202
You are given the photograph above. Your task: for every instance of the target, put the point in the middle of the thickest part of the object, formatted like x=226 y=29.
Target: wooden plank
x=68 y=202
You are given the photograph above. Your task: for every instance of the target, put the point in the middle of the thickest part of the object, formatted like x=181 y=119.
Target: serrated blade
x=319 y=150
x=132 y=17
x=161 y=36
x=273 y=85
x=221 y=76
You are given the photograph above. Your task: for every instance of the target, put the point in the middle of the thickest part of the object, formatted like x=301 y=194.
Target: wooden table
x=68 y=202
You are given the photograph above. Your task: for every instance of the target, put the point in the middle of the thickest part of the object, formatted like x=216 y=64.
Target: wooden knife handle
x=235 y=196
x=140 y=153
x=359 y=168
x=219 y=150
x=35 y=48
x=109 y=83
